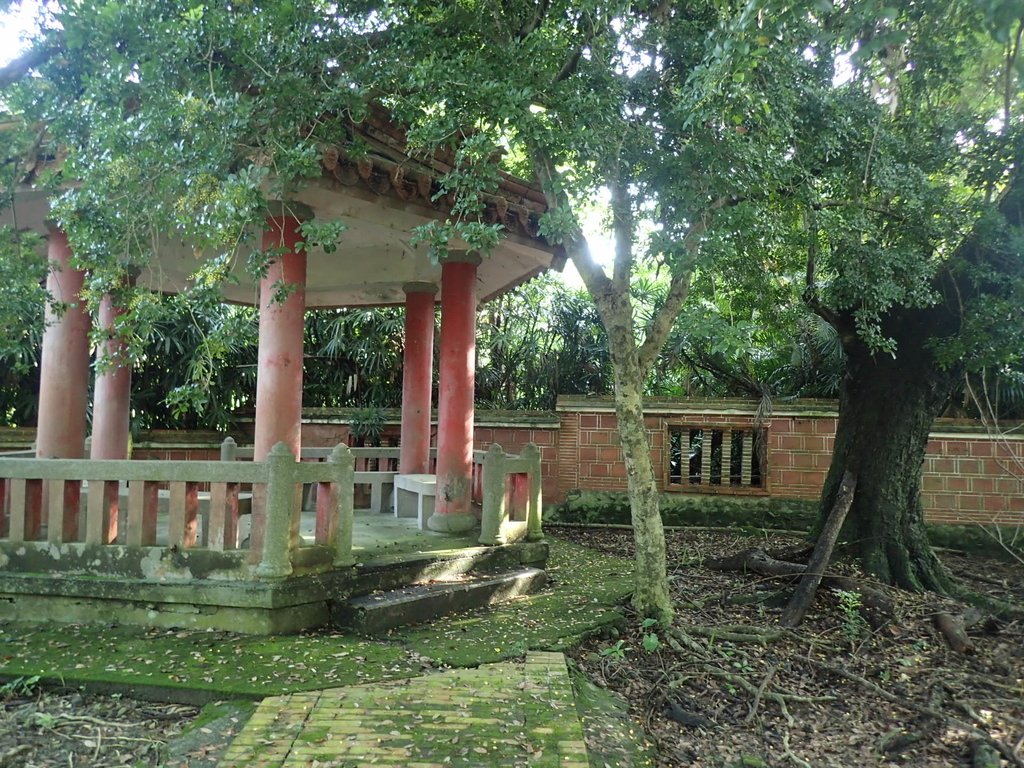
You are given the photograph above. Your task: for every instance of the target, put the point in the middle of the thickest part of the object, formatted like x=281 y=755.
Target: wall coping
x=660 y=406
x=944 y=428
x=978 y=433
x=483 y=417
x=12 y=438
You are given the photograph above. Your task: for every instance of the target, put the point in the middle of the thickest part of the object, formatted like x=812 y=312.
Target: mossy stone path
x=505 y=714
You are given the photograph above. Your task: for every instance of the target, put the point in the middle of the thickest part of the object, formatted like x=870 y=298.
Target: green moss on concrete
x=685 y=509
x=613 y=737
x=586 y=586
x=222 y=663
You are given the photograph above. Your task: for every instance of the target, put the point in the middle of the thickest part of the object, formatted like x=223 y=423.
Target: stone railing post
x=343 y=468
x=494 y=511
x=228 y=449
x=277 y=536
x=534 y=530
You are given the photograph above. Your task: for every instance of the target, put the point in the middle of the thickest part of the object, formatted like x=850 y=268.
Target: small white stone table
x=414 y=497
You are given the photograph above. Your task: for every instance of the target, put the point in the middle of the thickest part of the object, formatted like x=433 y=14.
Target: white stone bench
x=414 y=497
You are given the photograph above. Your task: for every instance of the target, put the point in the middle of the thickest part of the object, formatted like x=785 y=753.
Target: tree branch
x=576 y=245
x=658 y=329
x=21 y=66
x=570 y=65
x=826 y=204
x=573 y=61
x=623 y=228
x=530 y=26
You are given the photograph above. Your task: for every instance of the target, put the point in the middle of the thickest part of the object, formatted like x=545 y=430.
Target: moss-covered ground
x=586 y=586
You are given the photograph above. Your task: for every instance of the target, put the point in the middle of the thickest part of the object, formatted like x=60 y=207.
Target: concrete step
x=388 y=572
x=381 y=611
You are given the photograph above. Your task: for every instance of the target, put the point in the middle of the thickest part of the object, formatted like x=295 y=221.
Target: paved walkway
x=511 y=714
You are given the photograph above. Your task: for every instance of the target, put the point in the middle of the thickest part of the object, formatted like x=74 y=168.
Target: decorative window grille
x=709 y=458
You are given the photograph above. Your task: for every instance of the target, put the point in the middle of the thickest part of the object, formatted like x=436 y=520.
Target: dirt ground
x=727 y=687
x=723 y=687
x=40 y=729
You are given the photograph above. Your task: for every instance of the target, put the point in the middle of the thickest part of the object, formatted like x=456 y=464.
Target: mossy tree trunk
x=886 y=408
x=650 y=596
x=633 y=349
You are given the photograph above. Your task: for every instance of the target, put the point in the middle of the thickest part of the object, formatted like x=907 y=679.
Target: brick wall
x=971 y=478
x=799 y=451
x=513 y=437
x=968 y=476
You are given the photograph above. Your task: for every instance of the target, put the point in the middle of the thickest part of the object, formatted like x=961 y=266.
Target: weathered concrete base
x=451 y=523
x=418 y=604
x=250 y=606
x=251 y=620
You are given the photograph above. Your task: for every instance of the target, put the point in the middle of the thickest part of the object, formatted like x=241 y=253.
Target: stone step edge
x=421 y=603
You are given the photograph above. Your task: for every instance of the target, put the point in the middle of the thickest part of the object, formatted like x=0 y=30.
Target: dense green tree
x=537 y=342
x=899 y=220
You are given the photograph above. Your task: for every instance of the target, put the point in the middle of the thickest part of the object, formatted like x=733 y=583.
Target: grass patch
x=586 y=586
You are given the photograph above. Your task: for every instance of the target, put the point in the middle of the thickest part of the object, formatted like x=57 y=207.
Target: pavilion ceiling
x=381 y=194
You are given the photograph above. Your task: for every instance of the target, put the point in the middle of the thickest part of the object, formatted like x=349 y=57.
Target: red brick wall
x=799 y=451
x=972 y=478
x=968 y=477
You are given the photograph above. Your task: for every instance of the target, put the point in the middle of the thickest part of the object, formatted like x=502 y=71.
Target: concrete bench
x=414 y=497
x=381 y=484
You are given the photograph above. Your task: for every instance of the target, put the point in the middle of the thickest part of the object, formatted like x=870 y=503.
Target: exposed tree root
x=878 y=605
x=805 y=591
x=898 y=740
x=955 y=633
x=983 y=755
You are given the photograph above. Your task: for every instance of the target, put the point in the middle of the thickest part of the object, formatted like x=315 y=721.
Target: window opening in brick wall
x=717 y=459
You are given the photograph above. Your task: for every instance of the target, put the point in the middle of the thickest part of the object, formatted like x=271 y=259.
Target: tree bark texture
x=886 y=408
x=805 y=591
x=650 y=597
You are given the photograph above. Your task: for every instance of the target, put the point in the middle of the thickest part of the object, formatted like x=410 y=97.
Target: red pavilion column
x=455 y=395
x=64 y=364
x=111 y=407
x=282 y=314
x=417 y=378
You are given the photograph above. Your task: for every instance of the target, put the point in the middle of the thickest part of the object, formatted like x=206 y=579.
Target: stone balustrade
x=168 y=520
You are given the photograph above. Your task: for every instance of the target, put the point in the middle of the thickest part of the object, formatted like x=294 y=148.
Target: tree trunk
x=650 y=596
x=886 y=408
